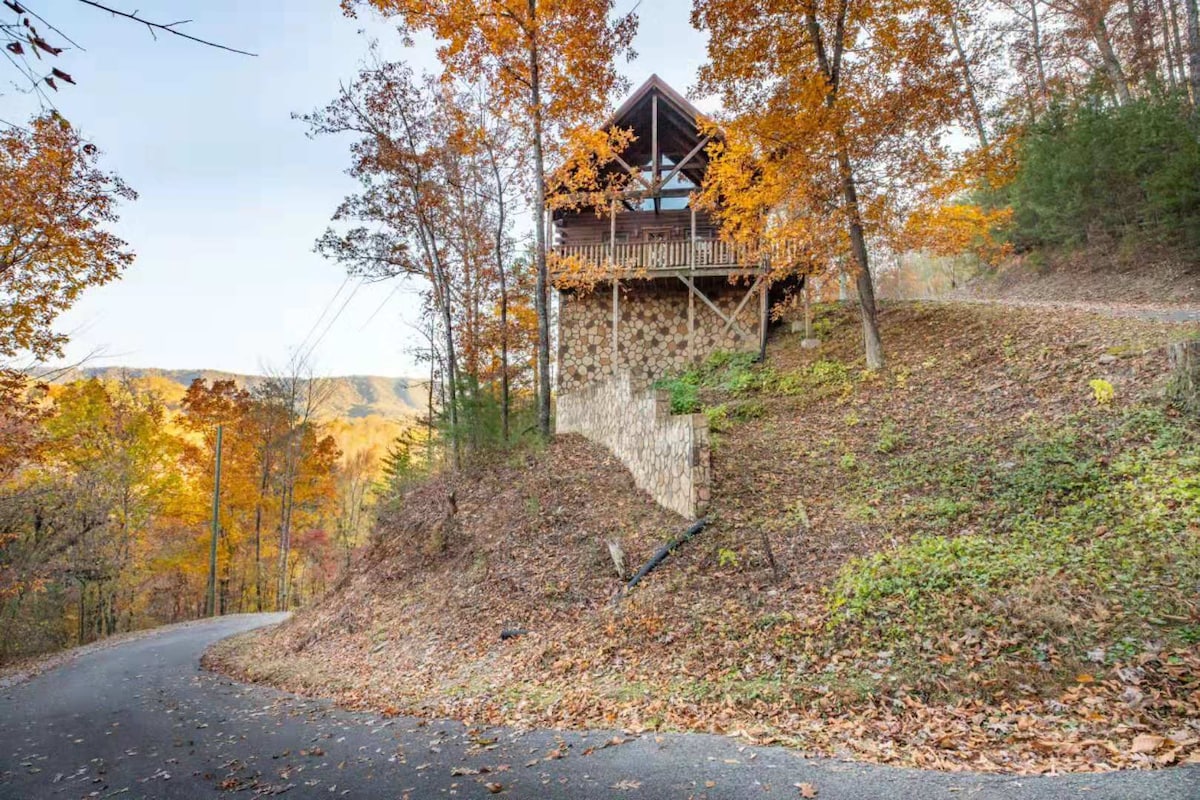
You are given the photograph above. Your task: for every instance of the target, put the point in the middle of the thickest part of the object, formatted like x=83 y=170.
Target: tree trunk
x=858 y=245
x=501 y=221
x=1112 y=64
x=258 y=515
x=539 y=207
x=1193 y=39
x=285 y=540
x=1168 y=51
x=444 y=303
x=1035 y=30
x=451 y=374
x=1184 y=388
x=1145 y=66
x=1181 y=61
x=429 y=417
x=969 y=85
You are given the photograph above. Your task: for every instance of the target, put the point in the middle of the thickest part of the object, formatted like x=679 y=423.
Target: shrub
x=1102 y=392
x=891 y=438
x=1096 y=170
x=684 y=391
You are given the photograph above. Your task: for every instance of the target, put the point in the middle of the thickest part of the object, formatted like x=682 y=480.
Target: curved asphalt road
x=141 y=720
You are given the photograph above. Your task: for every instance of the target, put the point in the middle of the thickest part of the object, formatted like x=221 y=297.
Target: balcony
x=700 y=256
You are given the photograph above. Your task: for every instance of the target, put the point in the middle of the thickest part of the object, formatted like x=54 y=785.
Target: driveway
x=142 y=720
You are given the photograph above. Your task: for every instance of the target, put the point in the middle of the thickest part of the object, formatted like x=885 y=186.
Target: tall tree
x=551 y=66
x=401 y=160
x=839 y=107
x=1193 y=47
x=56 y=204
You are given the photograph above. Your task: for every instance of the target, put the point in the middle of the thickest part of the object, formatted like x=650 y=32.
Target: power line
x=375 y=313
x=324 y=311
x=334 y=319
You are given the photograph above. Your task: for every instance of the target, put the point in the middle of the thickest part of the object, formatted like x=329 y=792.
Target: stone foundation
x=652 y=329
x=668 y=455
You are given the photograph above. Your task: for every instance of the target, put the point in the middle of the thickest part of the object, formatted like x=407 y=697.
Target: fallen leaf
x=1146 y=743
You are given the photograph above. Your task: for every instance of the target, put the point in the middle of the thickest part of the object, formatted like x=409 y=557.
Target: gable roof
x=656 y=85
x=678 y=128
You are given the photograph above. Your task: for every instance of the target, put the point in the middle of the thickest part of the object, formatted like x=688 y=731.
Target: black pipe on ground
x=665 y=551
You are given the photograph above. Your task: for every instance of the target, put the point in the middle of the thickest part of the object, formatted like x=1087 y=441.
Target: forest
x=975 y=129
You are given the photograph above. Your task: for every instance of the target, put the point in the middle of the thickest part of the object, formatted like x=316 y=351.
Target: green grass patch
x=714 y=386
x=1101 y=545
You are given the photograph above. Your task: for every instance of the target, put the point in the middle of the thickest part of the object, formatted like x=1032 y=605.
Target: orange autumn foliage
x=956 y=229
x=549 y=65
x=55 y=204
x=835 y=118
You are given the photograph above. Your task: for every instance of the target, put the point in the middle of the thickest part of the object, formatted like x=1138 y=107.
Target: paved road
x=141 y=720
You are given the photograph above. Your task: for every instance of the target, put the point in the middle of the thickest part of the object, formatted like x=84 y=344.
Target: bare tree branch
x=168 y=27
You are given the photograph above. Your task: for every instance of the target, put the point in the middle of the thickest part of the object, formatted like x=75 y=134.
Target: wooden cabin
x=675 y=292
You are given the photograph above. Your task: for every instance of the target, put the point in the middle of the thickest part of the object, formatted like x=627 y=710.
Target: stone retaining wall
x=667 y=454
x=652 y=330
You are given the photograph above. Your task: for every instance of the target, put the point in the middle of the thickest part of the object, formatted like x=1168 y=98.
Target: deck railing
x=672 y=255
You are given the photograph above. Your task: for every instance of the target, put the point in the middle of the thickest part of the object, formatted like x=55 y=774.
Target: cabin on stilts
x=672 y=292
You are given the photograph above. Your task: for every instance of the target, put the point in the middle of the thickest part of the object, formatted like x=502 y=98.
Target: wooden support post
x=616 y=315
x=612 y=234
x=808 y=307
x=612 y=250
x=655 y=159
x=764 y=310
x=691 y=297
x=692 y=257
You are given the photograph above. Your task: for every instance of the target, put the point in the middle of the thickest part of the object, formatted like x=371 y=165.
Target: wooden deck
x=701 y=256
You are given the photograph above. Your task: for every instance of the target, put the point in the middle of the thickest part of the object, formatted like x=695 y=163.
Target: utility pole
x=211 y=603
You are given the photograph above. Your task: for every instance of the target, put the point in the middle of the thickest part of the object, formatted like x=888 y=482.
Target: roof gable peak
x=656 y=85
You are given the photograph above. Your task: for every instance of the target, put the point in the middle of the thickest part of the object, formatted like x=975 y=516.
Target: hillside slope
x=1145 y=277
x=977 y=559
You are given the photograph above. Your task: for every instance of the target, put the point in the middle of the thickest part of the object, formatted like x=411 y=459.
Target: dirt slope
x=977 y=559
x=1145 y=277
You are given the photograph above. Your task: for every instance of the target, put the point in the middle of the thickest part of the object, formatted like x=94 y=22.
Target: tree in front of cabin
x=836 y=116
x=550 y=66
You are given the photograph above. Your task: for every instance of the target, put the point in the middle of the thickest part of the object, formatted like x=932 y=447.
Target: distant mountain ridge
x=353 y=396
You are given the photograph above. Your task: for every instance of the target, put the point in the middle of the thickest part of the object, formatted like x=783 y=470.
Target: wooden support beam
x=612 y=256
x=731 y=321
x=655 y=156
x=616 y=315
x=642 y=194
x=692 y=297
x=764 y=311
x=675 y=171
x=636 y=173
x=612 y=231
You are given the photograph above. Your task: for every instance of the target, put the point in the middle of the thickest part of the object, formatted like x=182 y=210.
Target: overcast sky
x=232 y=192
